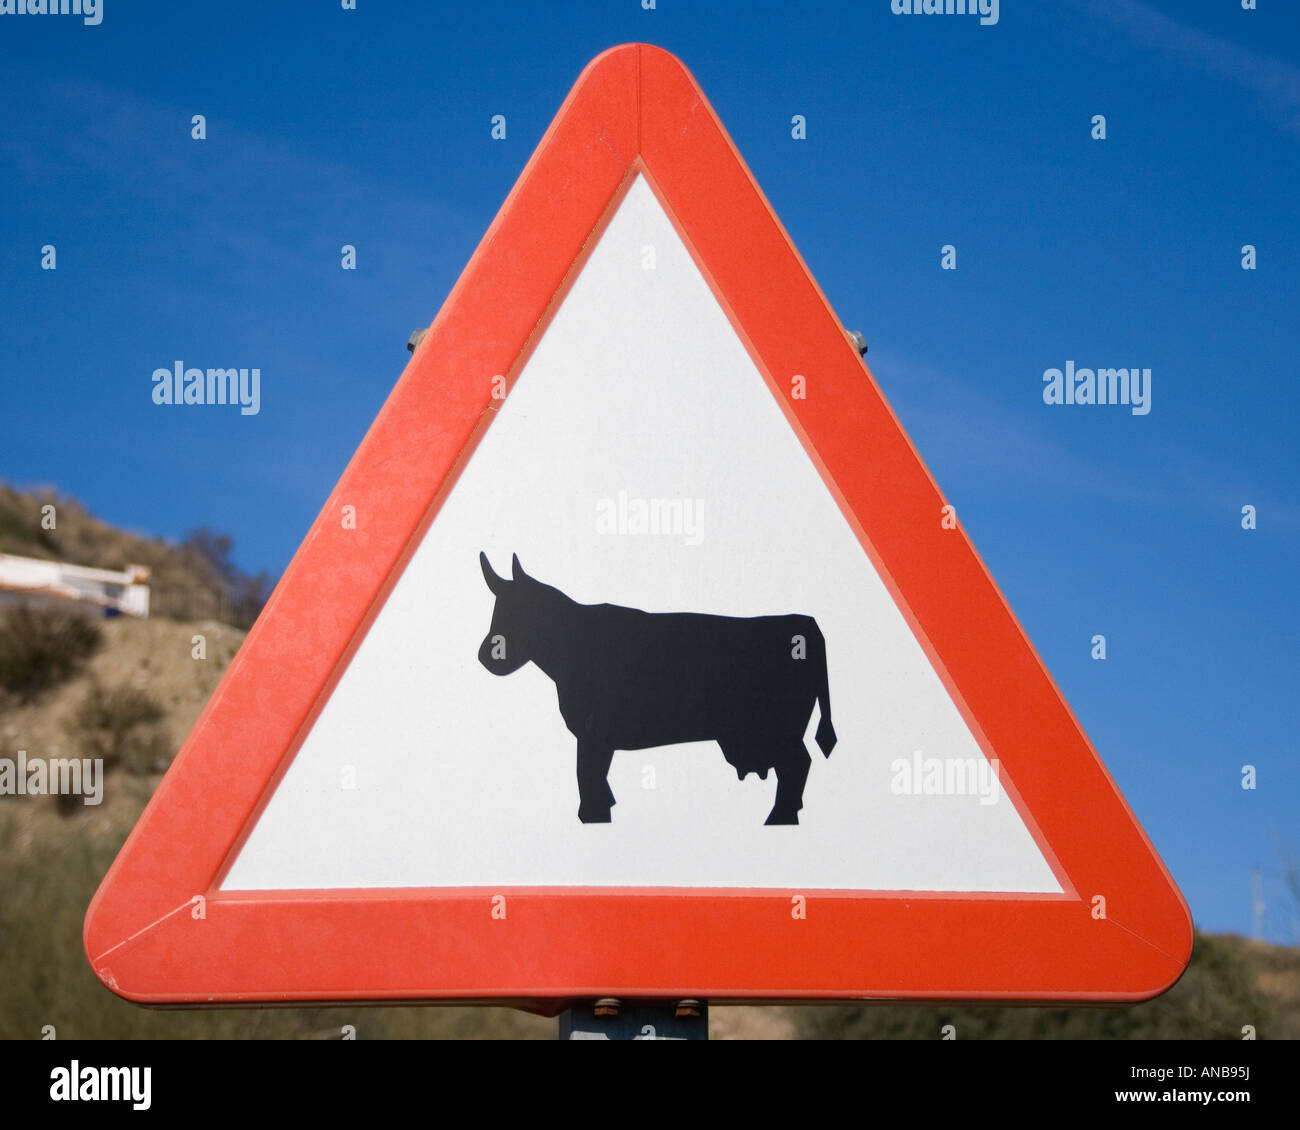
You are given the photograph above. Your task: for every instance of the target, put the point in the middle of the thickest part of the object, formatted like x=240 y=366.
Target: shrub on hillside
x=43 y=646
x=119 y=725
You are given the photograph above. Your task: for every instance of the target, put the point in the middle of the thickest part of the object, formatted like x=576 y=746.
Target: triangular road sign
x=636 y=654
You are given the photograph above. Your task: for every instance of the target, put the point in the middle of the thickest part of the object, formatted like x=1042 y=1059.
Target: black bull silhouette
x=628 y=679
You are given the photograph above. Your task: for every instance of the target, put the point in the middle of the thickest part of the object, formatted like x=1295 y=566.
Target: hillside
x=54 y=861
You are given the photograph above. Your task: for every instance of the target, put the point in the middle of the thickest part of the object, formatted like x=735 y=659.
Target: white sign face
x=641 y=460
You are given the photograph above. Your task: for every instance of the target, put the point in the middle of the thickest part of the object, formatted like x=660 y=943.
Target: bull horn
x=495 y=583
x=517 y=570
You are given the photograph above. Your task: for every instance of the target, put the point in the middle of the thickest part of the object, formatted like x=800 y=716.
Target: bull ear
x=495 y=583
x=517 y=570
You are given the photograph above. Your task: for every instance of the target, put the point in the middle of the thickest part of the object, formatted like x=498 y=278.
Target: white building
x=126 y=592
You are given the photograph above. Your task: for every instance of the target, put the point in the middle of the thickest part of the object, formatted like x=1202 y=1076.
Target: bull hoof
x=782 y=818
x=594 y=815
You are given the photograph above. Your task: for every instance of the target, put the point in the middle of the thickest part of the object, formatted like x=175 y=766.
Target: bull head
x=506 y=647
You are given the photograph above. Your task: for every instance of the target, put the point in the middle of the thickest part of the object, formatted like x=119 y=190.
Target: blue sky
x=371 y=127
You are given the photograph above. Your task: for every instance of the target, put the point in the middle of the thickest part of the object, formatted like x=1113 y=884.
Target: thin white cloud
x=1275 y=82
x=250 y=207
x=960 y=428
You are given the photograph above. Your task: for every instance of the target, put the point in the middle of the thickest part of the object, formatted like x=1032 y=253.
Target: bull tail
x=825 y=735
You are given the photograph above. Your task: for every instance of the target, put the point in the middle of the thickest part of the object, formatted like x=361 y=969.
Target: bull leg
x=791 y=775
x=595 y=798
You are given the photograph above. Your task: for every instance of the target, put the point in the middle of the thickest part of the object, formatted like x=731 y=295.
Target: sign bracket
x=611 y=1019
